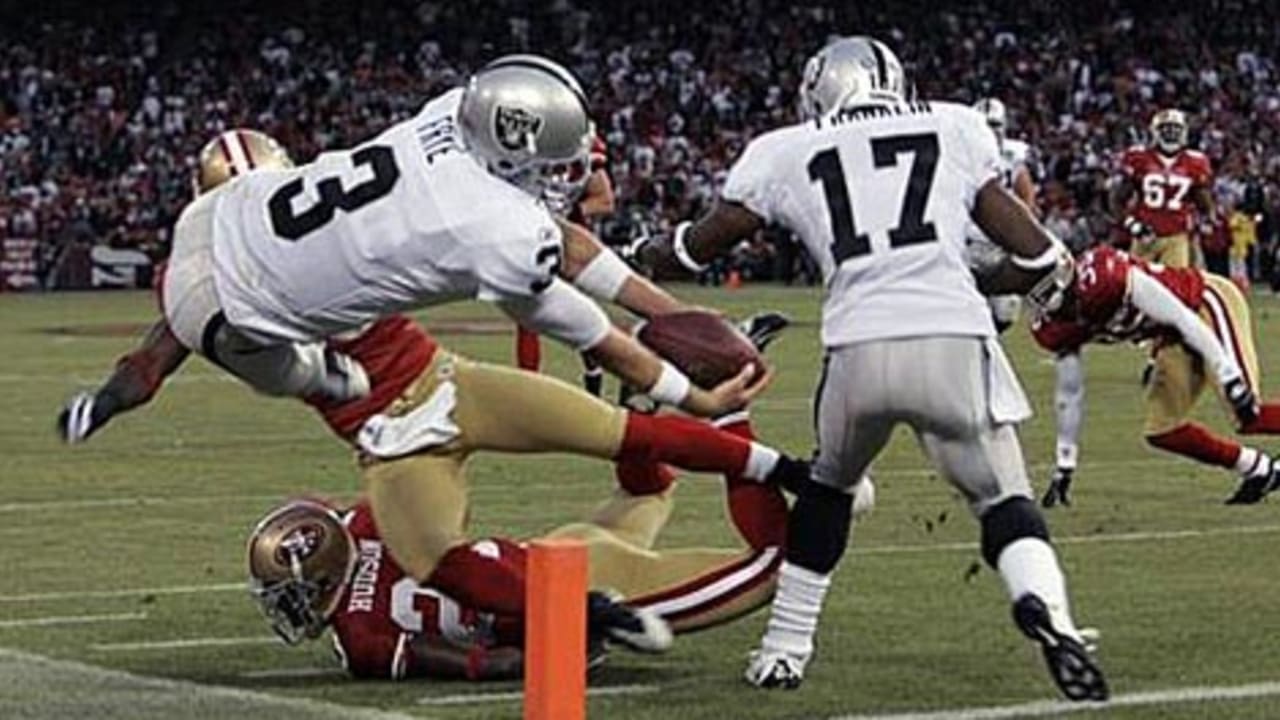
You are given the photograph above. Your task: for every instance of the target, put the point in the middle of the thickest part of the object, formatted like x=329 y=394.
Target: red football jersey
x=1102 y=305
x=1164 y=187
x=383 y=609
x=394 y=351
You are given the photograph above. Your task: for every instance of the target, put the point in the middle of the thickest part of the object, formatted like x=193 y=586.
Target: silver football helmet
x=849 y=71
x=995 y=113
x=526 y=119
x=1169 y=130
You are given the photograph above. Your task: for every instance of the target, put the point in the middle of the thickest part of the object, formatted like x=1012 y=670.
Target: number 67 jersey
x=880 y=196
x=405 y=220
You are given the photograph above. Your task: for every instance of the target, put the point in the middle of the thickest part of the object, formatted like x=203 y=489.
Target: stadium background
x=103 y=105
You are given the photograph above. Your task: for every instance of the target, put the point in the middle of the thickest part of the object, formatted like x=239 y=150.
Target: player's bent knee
x=818 y=528
x=1011 y=520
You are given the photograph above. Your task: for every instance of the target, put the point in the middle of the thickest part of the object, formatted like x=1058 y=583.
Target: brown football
x=707 y=347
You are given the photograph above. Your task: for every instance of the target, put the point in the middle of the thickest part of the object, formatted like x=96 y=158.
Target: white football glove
x=344 y=379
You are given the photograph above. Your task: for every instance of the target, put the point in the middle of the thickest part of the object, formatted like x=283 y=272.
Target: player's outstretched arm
x=561 y=312
x=599 y=271
x=1033 y=251
x=441 y=658
x=134 y=382
x=695 y=244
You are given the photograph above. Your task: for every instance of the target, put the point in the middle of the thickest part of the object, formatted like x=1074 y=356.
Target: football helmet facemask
x=234 y=153
x=1169 y=130
x=995 y=113
x=849 y=71
x=1049 y=295
x=300 y=559
x=526 y=119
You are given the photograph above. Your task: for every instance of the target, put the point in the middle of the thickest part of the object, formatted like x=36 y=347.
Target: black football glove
x=1243 y=402
x=81 y=416
x=763 y=328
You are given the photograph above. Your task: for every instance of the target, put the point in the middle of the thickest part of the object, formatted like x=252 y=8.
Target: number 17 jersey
x=880 y=196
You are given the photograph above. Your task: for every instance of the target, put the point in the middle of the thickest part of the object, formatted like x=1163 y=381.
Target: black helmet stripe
x=537 y=63
x=882 y=73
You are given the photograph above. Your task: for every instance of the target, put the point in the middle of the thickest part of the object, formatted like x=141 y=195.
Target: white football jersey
x=1014 y=154
x=880 y=195
x=407 y=219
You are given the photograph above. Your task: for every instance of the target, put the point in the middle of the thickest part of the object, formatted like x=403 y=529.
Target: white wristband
x=1043 y=261
x=682 y=252
x=672 y=386
x=604 y=276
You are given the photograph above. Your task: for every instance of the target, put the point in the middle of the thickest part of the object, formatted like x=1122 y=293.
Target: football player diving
x=425 y=410
x=1202 y=335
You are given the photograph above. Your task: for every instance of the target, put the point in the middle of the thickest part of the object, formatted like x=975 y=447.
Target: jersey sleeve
x=1102 y=284
x=980 y=159
x=1203 y=173
x=1130 y=162
x=1058 y=336
x=754 y=181
x=519 y=261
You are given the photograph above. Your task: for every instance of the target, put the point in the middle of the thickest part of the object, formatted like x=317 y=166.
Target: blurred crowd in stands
x=103 y=105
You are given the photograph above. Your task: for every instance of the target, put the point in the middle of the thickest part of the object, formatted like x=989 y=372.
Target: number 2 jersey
x=408 y=219
x=880 y=196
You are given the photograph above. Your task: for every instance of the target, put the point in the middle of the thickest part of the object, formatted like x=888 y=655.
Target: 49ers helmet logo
x=515 y=128
x=300 y=543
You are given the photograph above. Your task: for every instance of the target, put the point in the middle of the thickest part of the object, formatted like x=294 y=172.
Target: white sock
x=1068 y=453
x=796 y=606
x=1251 y=462
x=1029 y=565
x=760 y=462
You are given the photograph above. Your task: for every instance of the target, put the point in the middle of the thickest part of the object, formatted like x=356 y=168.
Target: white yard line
x=1079 y=539
x=186 y=643
x=250 y=703
x=285 y=673
x=1099 y=538
x=142 y=501
x=517 y=695
x=1044 y=708
x=124 y=592
x=72 y=620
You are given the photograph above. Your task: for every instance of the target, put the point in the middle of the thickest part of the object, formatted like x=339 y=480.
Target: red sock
x=1198 y=443
x=643 y=477
x=528 y=350
x=759 y=511
x=486 y=575
x=684 y=442
x=1268 y=422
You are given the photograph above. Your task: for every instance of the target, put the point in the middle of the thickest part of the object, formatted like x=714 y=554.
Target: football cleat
x=79 y=418
x=637 y=629
x=772 y=670
x=1070 y=663
x=1059 y=491
x=1255 y=486
x=763 y=328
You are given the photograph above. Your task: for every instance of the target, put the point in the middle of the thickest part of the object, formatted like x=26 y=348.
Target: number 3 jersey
x=880 y=196
x=406 y=220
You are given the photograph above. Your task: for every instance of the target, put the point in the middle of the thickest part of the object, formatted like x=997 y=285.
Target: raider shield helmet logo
x=516 y=128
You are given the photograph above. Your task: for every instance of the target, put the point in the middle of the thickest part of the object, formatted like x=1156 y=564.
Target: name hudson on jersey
x=364 y=585
x=874 y=112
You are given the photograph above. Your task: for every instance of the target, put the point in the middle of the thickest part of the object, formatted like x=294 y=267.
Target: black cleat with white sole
x=636 y=629
x=1070 y=664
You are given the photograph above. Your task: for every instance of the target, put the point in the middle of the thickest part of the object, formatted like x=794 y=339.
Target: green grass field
x=126 y=553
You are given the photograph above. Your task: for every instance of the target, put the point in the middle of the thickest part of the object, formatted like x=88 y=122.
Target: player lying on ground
x=1201 y=328
x=427 y=410
x=387 y=625
x=880 y=190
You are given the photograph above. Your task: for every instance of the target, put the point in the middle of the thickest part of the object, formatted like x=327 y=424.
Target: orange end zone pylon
x=555 y=634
